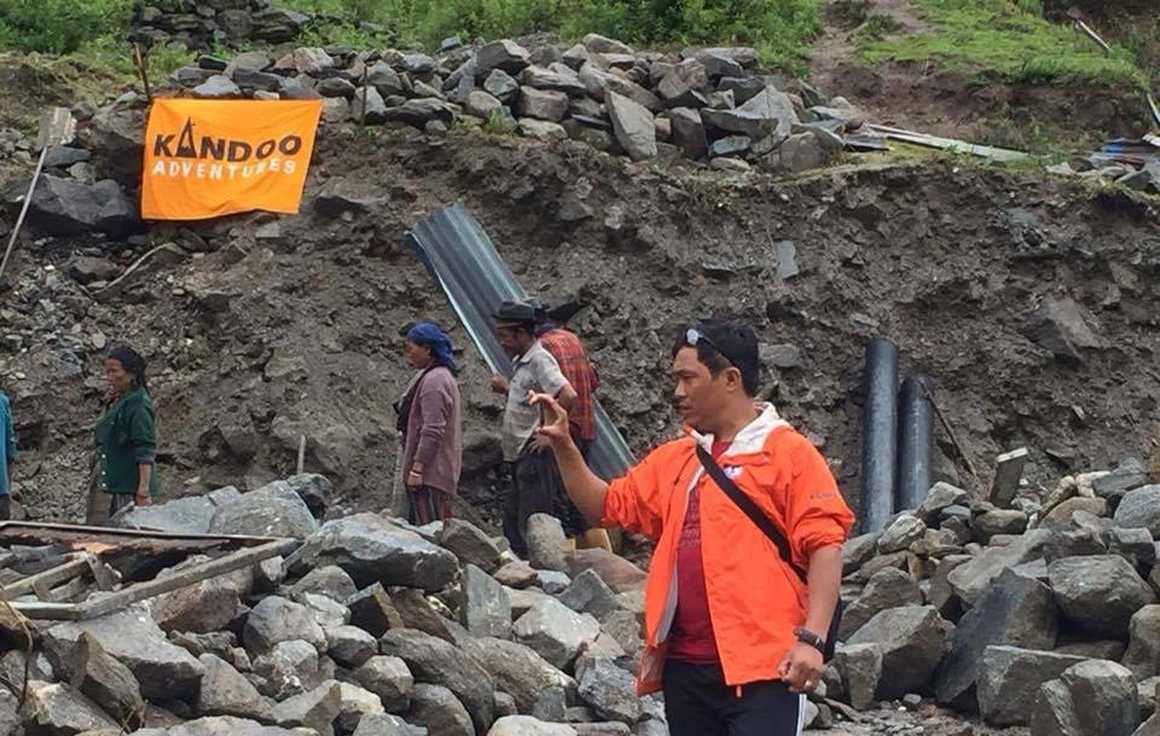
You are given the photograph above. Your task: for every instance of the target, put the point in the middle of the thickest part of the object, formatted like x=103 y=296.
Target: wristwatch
x=808 y=637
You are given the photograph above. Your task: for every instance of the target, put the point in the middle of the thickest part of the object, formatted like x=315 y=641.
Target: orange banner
x=206 y=158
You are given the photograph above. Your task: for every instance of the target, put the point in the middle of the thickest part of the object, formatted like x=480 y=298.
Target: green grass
x=1010 y=39
x=780 y=29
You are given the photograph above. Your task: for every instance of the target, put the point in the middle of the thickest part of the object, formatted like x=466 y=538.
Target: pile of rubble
x=213 y=24
x=370 y=626
x=706 y=104
x=1033 y=608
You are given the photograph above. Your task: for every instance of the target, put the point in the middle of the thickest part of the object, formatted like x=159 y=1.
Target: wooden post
x=141 y=61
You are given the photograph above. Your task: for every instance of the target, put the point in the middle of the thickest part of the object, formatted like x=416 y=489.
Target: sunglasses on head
x=695 y=337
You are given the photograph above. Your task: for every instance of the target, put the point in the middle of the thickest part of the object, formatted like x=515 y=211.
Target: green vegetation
x=1010 y=39
x=878 y=27
x=780 y=29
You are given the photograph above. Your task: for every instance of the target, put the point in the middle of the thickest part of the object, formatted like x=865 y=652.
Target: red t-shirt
x=691 y=639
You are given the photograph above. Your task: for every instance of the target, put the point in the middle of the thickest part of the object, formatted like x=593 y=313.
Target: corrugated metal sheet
x=462 y=259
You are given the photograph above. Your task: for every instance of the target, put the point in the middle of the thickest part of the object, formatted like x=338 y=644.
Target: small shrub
x=59 y=26
x=878 y=27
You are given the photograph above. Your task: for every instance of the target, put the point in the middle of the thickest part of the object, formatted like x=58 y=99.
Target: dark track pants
x=699 y=703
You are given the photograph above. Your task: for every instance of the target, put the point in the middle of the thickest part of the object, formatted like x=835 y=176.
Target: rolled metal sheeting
x=915 y=442
x=462 y=259
x=880 y=434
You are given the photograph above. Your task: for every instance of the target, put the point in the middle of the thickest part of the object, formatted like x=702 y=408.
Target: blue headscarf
x=429 y=334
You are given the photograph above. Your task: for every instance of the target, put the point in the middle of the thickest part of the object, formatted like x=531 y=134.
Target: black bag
x=765 y=524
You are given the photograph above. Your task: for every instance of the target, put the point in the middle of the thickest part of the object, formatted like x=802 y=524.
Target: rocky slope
x=1033 y=303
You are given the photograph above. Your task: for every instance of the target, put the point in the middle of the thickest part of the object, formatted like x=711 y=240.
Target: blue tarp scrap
x=462 y=259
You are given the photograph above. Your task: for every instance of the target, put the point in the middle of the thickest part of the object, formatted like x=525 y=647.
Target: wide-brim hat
x=516 y=314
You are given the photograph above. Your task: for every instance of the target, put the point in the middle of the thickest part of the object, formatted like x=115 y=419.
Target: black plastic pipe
x=879 y=434
x=915 y=442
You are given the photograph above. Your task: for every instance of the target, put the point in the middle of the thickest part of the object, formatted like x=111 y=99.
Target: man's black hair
x=726 y=343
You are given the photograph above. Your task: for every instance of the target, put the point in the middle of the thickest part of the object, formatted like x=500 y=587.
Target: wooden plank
x=49 y=611
x=47 y=579
x=188 y=576
x=948 y=144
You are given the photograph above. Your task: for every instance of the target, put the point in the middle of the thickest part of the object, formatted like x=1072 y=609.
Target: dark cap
x=735 y=340
x=517 y=314
x=563 y=312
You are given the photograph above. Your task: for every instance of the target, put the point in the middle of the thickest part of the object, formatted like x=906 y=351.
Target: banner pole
x=140 y=60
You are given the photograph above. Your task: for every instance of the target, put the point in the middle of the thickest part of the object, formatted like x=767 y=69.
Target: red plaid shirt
x=569 y=352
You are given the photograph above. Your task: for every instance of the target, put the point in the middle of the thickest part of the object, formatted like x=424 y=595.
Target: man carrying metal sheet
x=536 y=485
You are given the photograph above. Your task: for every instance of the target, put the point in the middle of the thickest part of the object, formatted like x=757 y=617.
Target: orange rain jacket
x=755 y=599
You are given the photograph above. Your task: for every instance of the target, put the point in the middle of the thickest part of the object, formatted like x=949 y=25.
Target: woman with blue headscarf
x=432 y=428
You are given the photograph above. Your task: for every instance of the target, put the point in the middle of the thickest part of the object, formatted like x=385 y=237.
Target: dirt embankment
x=267 y=329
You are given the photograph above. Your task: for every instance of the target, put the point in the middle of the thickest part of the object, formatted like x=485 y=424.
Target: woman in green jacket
x=126 y=434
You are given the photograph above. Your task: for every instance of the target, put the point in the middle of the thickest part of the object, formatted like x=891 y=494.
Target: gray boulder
x=768 y=113
x=557 y=77
x=547 y=543
x=969 y=580
x=217 y=87
x=356 y=704
x=192 y=515
x=372 y=611
x=904 y=531
x=517 y=670
x=543 y=104
x=467 y=541
x=633 y=126
x=440 y=711
x=350 y=646
x=529 y=726
x=913 y=640
x=1064 y=328
x=371 y=549
x=1128 y=475
x=330 y=581
x=684 y=85
x=53 y=709
x=556 y=632
x=274 y=510
x=220 y=726
x=10 y=719
x=1143 y=655
x=889 y=588
x=1140 y=509
x=390 y=679
x=486 y=609
x=587 y=593
x=164 y=671
x=202 y=607
x=316 y=709
x=941 y=496
x=1016 y=611
x=504 y=55
x=224 y=692
x=288 y=669
x=387 y=725
x=327 y=612
x=435 y=661
x=64 y=206
x=502 y=86
x=1009 y=681
x=275 y=620
x=610 y=691
x=1054 y=713
x=368 y=105
x=688 y=132
x=1099 y=594
x=421 y=111
x=1106 y=697
x=93 y=673
x=860 y=668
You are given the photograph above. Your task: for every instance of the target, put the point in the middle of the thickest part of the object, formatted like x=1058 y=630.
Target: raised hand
x=554 y=427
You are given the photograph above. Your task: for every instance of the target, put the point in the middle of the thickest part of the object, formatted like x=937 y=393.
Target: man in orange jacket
x=732 y=634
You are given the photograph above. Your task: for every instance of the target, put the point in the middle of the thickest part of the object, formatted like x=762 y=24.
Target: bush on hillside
x=59 y=26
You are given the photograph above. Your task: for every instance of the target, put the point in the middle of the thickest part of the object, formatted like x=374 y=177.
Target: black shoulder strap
x=748 y=507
